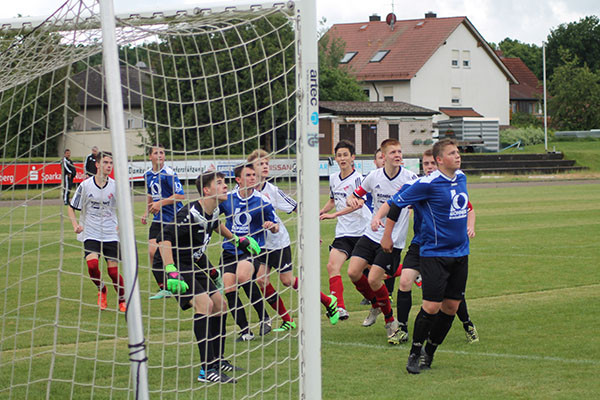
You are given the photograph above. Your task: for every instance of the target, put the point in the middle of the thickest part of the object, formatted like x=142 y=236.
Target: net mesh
x=211 y=86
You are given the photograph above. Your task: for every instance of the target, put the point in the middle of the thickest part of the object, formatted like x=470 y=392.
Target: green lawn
x=532 y=293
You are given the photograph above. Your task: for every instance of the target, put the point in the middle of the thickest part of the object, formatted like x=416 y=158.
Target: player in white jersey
x=97 y=227
x=277 y=248
x=351 y=221
x=382 y=184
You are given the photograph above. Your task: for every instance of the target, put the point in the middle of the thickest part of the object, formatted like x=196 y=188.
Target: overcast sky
x=528 y=21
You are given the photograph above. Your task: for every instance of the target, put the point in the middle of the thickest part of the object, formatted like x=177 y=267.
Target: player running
x=97 y=228
x=444 y=250
x=164 y=191
x=278 y=253
x=183 y=257
x=383 y=184
x=351 y=221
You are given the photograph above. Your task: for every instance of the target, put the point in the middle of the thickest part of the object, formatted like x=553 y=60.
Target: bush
x=521 y=119
x=527 y=135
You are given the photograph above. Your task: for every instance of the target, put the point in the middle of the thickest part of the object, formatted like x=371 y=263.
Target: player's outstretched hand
x=248 y=244
x=376 y=223
x=78 y=229
x=387 y=244
x=326 y=216
x=175 y=283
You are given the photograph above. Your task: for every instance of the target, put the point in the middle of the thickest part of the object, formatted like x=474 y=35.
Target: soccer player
x=247 y=213
x=183 y=256
x=410 y=266
x=277 y=248
x=444 y=250
x=90 y=162
x=69 y=171
x=164 y=191
x=351 y=221
x=383 y=183
x=97 y=229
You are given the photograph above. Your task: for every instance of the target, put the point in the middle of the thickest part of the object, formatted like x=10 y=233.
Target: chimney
x=374 y=17
x=430 y=14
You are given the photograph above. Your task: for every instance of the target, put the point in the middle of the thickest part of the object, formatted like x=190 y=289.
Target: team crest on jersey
x=458 y=208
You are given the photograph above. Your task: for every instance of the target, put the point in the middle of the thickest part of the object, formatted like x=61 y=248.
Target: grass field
x=533 y=294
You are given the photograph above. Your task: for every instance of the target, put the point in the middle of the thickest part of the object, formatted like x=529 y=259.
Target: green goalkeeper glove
x=248 y=244
x=175 y=282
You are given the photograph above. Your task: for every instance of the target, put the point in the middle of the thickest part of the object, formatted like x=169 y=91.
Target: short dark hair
x=151 y=148
x=237 y=171
x=205 y=179
x=345 y=144
x=67 y=150
x=428 y=153
x=438 y=147
x=377 y=151
x=102 y=154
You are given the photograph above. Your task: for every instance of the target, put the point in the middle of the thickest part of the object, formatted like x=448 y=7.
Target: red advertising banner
x=36 y=174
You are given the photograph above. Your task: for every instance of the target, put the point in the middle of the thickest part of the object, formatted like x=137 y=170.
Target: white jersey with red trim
x=281 y=202
x=382 y=187
x=98 y=206
x=354 y=223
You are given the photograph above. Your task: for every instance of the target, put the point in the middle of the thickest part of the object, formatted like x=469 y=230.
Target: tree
x=336 y=83
x=530 y=54
x=581 y=39
x=575 y=100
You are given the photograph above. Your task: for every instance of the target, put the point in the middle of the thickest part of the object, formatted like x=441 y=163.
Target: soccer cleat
x=245 y=337
x=425 y=360
x=344 y=315
x=102 y=300
x=122 y=306
x=226 y=366
x=372 y=317
x=403 y=334
x=472 y=335
x=412 y=366
x=265 y=327
x=164 y=293
x=391 y=300
x=365 y=302
x=418 y=281
x=332 y=310
x=212 y=375
x=286 y=326
x=393 y=332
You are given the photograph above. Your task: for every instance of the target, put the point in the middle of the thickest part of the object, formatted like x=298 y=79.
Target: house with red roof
x=526 y=95
x=436 y=63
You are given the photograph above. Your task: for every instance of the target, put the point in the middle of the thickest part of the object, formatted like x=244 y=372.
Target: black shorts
x=109 y=250
x=157 y=229
x=280 y=259
x=345 y=244
x=229 y=261
x=444 y=277
x=373 y=254
x=198 y=281
x=412 y=259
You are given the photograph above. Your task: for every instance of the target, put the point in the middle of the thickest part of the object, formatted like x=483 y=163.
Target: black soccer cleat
x=412 y=366
x=425 y=360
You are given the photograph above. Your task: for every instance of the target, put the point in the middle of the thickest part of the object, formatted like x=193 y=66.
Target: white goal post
x=209 y=85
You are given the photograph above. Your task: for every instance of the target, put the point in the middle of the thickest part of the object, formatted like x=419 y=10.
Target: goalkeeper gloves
x=175 y=282
x=248 y=244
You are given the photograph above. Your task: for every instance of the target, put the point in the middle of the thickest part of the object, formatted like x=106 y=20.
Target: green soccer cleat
x=164 y=293
x=332 y=310
x=286 y=326
x=472 y=335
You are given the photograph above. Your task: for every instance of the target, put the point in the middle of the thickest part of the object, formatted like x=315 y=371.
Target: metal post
x=307 y=115
x=110 y=57
x=545 y=112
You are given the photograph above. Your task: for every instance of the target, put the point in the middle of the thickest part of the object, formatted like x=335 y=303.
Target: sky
x=529 y=21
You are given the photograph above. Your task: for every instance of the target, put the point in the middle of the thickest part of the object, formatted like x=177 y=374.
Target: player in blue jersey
x=247 y=213
x=164 y=191
x=443 y=201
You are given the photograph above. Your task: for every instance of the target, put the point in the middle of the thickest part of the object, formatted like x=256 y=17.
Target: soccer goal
x=210 y=86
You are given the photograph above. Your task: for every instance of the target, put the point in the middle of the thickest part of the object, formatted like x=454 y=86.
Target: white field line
x=469 y=353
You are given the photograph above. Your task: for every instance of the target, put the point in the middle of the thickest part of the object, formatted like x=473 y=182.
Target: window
x=394 y=131
x=455 y=96
x=379 y=56
x=348 y=56
x=388 y=93
x=367 y=93
x=455 y=55
x=466 y=59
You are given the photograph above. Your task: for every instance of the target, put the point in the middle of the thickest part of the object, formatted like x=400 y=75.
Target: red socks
x=383 y=302
x=94 y=272
x=362 y=285
x=325 y=300
x=117 y=279
x=337 y=289
x=276 y=303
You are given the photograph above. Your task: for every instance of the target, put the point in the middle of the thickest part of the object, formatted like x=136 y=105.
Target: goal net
x=210 y=86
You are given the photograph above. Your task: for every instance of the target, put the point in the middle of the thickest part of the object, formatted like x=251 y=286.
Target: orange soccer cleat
x=102 y=300
x=122 y=306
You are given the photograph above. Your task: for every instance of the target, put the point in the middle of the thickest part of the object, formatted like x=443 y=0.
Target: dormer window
x=348 y=56
x=379 y=56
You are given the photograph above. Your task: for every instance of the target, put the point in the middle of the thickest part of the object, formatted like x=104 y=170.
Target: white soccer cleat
x=372 y=317
x=343 y=313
